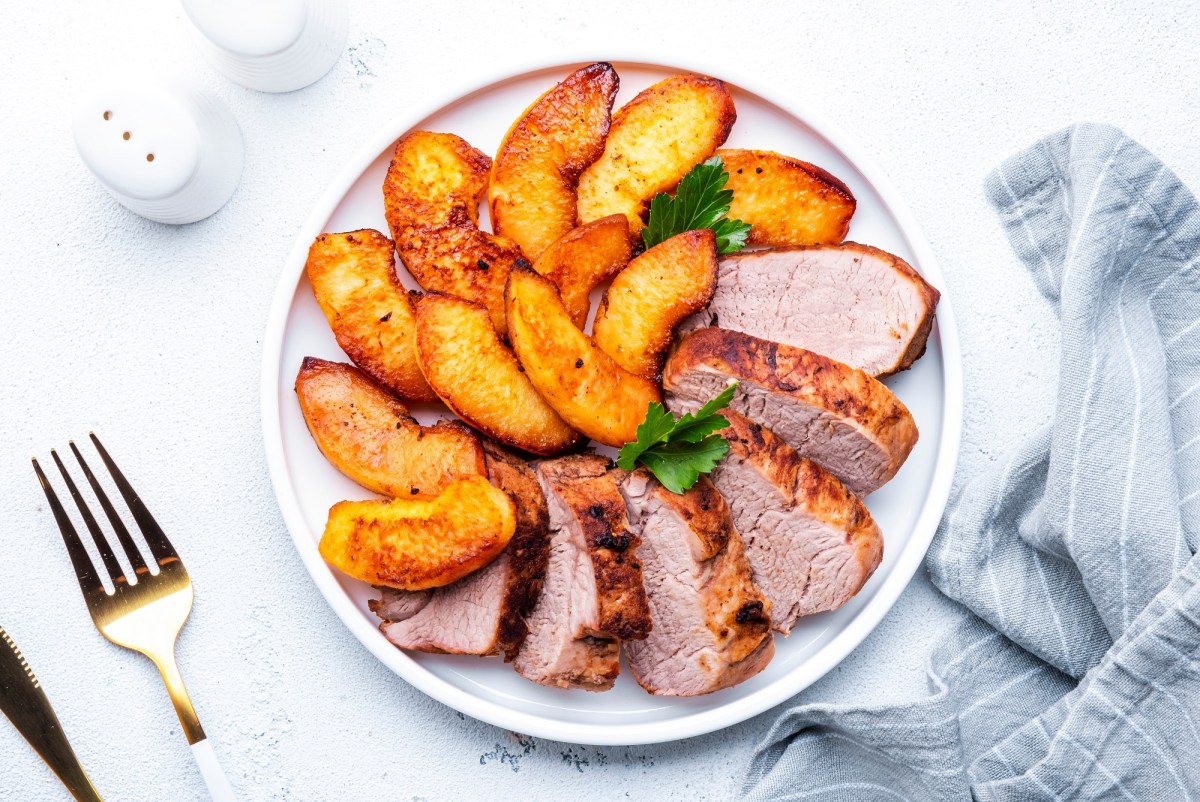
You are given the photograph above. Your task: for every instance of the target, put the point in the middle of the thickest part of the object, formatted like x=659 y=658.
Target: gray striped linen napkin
x=1075 y=671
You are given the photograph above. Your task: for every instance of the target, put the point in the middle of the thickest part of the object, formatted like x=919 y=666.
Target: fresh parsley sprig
x=678 y=450
x=701 y=201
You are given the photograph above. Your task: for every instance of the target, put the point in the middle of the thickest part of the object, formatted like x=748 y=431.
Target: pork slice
x=460 y=618
x=593 y=595
x=853 y=303
x=482 y=613
x=811 y=543
x=394 y=604
x=711 y=622
x=528 y=551
x=836 y=415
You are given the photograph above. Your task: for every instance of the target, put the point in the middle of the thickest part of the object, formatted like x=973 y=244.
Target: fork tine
x=160 y=547
x=89 y=581
x=132 y=552
x=115 y=572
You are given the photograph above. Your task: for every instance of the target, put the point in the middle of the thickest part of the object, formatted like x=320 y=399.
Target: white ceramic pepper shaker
x=271 y=45
x=170 y=152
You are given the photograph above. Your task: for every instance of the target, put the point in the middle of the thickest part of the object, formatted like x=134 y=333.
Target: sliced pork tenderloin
x=484 y=612
x=394 y=604
x=711 y=622
x=593 y=596
x=837 y=416
x=461 y=618
x=853 y=303
x=811 y=543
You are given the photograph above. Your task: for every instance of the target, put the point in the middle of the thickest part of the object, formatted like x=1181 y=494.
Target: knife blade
x=24 y=702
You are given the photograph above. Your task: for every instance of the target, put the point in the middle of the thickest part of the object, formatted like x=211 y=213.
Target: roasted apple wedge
x=414 y=544
x=479 y=378
x=786 y=201
x=532 y=191
x=583 y=259
x=652 y=143
x=649 y=298
x=431 y=197
x=582 y=383
x=368 y=434
x=353 y=276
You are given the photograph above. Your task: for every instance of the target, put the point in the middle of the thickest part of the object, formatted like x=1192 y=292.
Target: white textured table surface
x=151 y=335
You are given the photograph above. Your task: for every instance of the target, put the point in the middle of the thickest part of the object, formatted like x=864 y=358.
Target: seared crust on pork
x=527 y=552
x=593 y=593
x=838 y=416
x=711 y=622
x=811 y=542
x=589 y=488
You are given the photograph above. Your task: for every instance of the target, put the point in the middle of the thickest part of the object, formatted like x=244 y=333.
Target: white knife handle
x=218 y=787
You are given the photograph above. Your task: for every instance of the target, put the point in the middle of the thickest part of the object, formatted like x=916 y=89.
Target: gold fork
x=147 y=614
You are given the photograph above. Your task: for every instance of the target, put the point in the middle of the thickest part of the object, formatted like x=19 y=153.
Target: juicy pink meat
x=853 y=303
x=593 y=594
x=484 y=612
x=836 y=415
x=811 y=543
x=711 y=623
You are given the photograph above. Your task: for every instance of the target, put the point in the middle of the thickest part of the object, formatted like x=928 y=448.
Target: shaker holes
x=125 y=136
x=149 y=157
x=108 y=115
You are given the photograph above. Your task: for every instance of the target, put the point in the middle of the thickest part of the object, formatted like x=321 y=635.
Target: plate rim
x=699 y=722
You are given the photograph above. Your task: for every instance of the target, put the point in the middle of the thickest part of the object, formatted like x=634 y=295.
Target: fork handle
x=206 y=759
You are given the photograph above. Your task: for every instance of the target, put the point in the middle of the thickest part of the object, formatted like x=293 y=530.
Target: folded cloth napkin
x=1075 y=672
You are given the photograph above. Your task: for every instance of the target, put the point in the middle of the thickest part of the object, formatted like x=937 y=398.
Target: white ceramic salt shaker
x=170 y=152
x=271 y=45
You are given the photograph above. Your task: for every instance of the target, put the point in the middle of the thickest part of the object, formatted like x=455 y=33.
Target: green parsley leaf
x=654 y=429
x=679 y=465
x=678 y=450
x=692 y=428
x=693 y=431
x=731 y=234
x=701 y=201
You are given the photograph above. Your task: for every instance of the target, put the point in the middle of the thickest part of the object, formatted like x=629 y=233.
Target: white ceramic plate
x=907 y=509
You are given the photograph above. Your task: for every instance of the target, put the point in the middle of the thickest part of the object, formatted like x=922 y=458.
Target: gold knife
x=24 y=702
